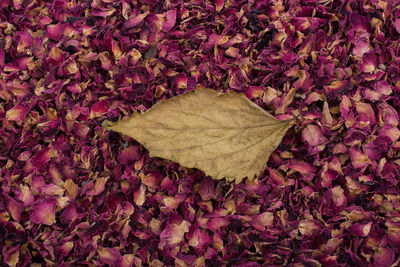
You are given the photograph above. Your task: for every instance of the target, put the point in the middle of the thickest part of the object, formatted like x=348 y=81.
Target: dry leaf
x=224 y=135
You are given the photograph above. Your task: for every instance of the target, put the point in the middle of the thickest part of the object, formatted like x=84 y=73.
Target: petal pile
x=73 y=194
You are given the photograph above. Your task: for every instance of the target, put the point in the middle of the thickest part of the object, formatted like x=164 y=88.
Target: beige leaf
x=224 y=135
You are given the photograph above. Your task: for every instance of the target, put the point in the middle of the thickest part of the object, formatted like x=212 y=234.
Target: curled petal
x=108 y=255
x=99 y=109
x=263 y=220
x=55 y=31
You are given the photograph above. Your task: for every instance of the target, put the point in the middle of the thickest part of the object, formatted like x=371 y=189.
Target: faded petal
x=170 y=20
x=173 y=234
x=308 y=227
x=313 y=136
x=108 y=255
x=358 y=158
x=14 y=207
x=44 y=213
x=99 y=109
x=140 y=195
x=55 y=31
x=263 y=220
x=384 y=257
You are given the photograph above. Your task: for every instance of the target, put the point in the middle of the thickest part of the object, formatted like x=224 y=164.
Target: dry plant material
x=224 y=135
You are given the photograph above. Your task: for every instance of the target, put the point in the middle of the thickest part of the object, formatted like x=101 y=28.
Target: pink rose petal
x=313 y=136
x=44 y=212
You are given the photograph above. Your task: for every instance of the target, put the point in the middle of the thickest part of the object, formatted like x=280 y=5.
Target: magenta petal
x=181 y=81
x=25 y=195
x=313 y=136
x=338 y=197
x=134 y=21
x=108 y=255
x=397 y=24
x=361 y=45
x=14 y=207
x=365 y=113
x=129 y=154
x=216 y=223
x=98 y=187
x=301 y=166
x=358 y=158
x=25 y=41
x=219 y=4
x=44 y=212
x=103 y=12
x=170 y=20
x=139 y=196
x=383 y=88
x=2 y=57
x=360 y=229
x=66 y=248
x=254 y=91
x=199 y=239
x=388 y=115
x=384 y=257
x=359 y=22
x=99 y=109
x=11 y=255
x=52 y=190
x=345 y=105
x=152 y=180
x=42 y=157
x=55 y=31
x=309 y=227
x=173 y=234
x=129 y=260
x=207 y=188
x=17 y=113
x=69 y=214
x=369 y=63
x=392 y=133
x=263 y=220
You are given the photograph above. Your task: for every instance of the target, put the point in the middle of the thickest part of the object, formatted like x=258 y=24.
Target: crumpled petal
x=173 y=234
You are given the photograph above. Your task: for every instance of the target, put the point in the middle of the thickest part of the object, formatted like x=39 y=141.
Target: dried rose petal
x=313 y=136
x=108 y=255
x=170 y=20
x=75 y=195
x=17 y=113
x=173 y=235
x=358 y=158
x=44 y=212
x=14 y=207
